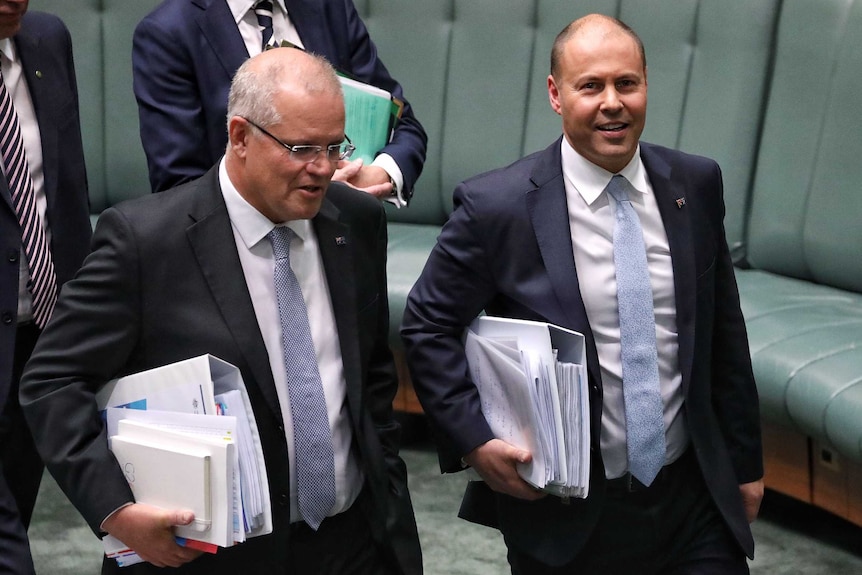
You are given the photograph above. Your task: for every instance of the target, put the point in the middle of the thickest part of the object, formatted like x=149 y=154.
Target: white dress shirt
x=591 y=220
x=283 y=29
x=250 y=229
x=16 y=85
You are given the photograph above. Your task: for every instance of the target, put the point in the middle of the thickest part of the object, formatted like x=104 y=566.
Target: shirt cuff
x=386 y=162
x=111 y=514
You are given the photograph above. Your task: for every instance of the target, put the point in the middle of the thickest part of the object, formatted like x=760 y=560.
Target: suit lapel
x=306 y=17
x=27 y=45
x=333 y=238
x=668 y=188
x=214 y=247
x=221 y=33
x=549 y=214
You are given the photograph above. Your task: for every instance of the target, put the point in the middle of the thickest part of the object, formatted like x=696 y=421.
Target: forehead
x=593 y=49
x=311 y=116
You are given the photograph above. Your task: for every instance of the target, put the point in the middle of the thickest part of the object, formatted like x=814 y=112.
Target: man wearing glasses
x=266 y=264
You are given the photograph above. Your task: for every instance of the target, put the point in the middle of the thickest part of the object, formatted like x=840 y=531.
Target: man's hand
x=148 y=531
x=370 y=179
x=495 y=462
x=752 y=495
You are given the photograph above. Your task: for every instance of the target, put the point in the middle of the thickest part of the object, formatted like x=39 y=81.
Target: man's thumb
x=182 y=517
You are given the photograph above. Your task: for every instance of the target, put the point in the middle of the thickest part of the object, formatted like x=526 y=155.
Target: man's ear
x=238 y=132
x=554 y=95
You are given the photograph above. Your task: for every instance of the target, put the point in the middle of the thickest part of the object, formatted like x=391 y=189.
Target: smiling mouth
x=611 y=128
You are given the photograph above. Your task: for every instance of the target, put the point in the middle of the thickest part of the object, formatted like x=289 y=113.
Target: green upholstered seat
x=803 y=305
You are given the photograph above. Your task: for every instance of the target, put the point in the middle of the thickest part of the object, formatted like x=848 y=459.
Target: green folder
x=371 y=114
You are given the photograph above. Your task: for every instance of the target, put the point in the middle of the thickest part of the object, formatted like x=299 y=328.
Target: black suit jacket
x=185 y=54
x=164 y=283
x=45 y=49
x=507 y=250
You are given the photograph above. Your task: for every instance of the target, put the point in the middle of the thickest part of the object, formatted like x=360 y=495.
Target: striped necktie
x=263 y=11
x=43 y=278
x=641 y=394
x=312 y=436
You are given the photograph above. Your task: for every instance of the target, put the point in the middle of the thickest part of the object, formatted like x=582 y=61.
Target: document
x=170 y=477
x=370 y=117
x=532 y=384
x=199 y=404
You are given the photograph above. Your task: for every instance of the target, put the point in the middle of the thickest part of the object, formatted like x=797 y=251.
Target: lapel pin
x=680 y=202
x=340 y=241
x=38 y=73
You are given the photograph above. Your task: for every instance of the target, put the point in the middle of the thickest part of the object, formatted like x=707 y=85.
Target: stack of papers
x=532 y=382
x=370 y=116
x=186 y=438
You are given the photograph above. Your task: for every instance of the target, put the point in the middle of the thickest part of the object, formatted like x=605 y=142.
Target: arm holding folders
x=532 y=384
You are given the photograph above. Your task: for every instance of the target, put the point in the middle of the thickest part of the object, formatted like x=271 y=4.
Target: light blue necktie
x=644 y=423
x=312 y=436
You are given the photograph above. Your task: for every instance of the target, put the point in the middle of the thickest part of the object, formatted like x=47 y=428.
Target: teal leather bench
x=802 y=296
x=769 y=88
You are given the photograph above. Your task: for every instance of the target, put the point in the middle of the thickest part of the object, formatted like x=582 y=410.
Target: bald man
x=536 y=241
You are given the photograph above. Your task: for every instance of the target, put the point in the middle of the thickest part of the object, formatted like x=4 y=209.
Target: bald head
x=281 y=70
x=597 y=25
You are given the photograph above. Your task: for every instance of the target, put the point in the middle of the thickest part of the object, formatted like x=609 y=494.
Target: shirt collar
x=239 y=7
x=7 y=48
x=589 y=180
x=252 y=225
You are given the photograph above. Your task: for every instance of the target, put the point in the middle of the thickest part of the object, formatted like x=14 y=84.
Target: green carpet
x=792 y=538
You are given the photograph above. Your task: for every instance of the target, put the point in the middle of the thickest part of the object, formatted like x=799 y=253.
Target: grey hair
x=253 y=89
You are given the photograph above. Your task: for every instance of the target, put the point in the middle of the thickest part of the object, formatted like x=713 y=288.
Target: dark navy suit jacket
x=44 y=46
x=507 y=249
x=185 y=54
x=45 y=49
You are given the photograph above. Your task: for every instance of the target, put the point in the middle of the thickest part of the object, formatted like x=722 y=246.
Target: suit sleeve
x=86 y=343
x=173 y=122
x=381 y=386
x=409 y=140
x=454 y=287
x=734 y=392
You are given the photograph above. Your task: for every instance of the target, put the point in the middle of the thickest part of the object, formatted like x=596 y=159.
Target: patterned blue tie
x=644 y=424
x=312 y=437
x=263 y=11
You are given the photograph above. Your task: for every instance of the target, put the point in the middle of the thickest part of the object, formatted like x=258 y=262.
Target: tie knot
x=618 y=188
x=280 y=238
x=263 y=6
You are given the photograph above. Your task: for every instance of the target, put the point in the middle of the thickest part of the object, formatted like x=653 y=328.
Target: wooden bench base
x=811 y=471
x=406 y=400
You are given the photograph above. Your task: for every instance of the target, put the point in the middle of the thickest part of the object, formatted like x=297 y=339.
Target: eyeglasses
x=309 y=153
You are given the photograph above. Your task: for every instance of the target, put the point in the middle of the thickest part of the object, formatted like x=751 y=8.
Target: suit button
x=13 y=256
x=7 y=318
x=283 y=500
x=281 y=429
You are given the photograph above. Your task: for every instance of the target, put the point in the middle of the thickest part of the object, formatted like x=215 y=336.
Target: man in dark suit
x=186 y=51
x=177 y=275
x=39 y=82
x=535 y=240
